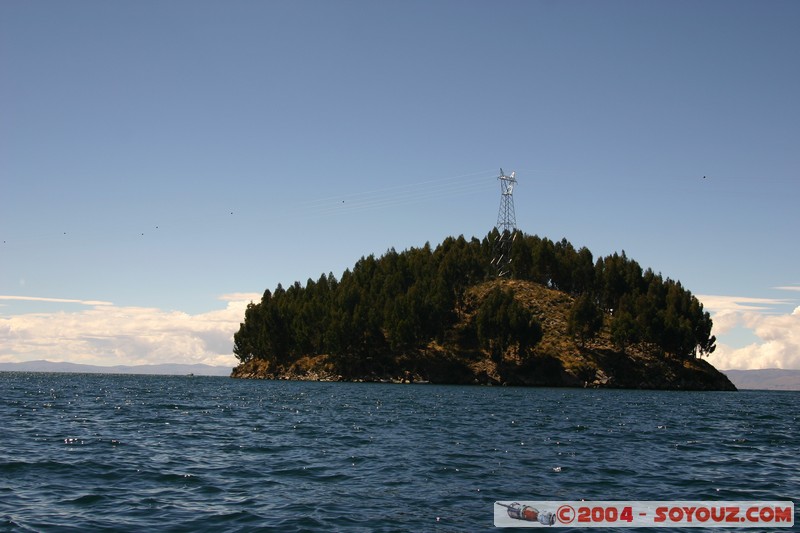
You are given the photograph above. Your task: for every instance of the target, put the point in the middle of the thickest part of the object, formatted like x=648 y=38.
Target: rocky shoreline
x=594 y=370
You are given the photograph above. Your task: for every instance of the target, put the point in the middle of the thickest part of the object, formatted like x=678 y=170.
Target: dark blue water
x=145 y=453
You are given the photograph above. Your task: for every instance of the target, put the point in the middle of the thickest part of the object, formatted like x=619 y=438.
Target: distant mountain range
x=766 y=379
x=162 y=369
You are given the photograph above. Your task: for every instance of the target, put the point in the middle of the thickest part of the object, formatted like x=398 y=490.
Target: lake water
x=164 y=453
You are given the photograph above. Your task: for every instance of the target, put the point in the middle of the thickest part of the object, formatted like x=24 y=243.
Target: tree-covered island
x=443 y=316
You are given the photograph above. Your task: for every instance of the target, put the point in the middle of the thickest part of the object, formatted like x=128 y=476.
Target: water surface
x=132 y=453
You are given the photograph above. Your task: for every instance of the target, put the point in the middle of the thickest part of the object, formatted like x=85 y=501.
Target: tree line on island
x=403 y=301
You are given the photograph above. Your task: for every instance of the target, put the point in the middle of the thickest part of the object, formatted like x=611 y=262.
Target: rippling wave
x=134 y=453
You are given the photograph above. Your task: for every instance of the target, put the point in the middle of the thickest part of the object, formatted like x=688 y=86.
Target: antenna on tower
x=506 y=225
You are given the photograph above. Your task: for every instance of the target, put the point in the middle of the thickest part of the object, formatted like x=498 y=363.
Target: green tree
x=245 y=345
x=501 y=322
x=521 y=257
x=624 y=330
x=585 y=318
x=525 y=330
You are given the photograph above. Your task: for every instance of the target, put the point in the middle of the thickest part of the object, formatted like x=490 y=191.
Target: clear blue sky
x=159 y=161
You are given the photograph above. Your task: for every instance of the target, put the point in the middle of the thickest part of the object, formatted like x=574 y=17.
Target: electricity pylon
x=506 y=225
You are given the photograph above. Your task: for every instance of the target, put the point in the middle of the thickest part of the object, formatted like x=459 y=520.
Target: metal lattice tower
x=506 y=225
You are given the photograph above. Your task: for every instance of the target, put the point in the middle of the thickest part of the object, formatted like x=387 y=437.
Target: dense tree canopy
x=404 y=300
x=502 y=321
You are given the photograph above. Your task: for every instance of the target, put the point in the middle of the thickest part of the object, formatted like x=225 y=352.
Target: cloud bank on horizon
x=105 y=334
x=776 y=342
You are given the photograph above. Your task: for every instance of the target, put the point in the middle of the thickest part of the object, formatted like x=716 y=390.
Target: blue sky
x=163 y=162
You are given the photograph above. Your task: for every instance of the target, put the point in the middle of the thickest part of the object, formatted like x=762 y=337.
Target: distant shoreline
x=164 y=369
x=776 y=379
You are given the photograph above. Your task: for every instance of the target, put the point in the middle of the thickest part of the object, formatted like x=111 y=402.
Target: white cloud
x=54 y=300
x=110 y=335
x=778 y=345
x=778 y=333
x=789 y=288
x=738 y=303
x=241 y=297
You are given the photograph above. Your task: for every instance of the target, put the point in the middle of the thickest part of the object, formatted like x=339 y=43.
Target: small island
x=556 y=317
